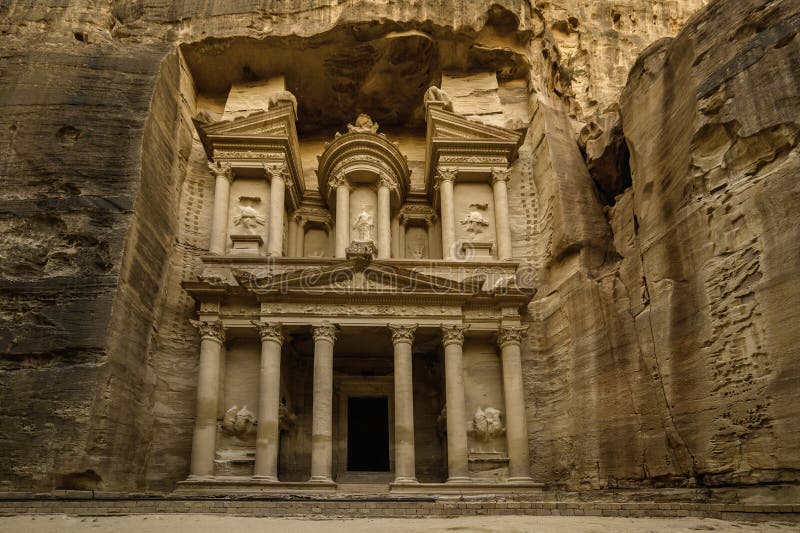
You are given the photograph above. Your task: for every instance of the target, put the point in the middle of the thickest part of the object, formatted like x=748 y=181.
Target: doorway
x=368 y=434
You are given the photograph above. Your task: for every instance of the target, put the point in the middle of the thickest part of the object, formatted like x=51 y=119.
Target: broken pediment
x=471 y=147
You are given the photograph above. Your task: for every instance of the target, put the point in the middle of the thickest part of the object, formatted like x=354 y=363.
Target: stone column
x=503 y=228
x=204 y=441
x=404 y=459
x=430 y=227
x=342 y=214
x=384 y=218
x=457 y=457
x=322 y=422
x=446 y=178
x=509 y=339
x=269 y=395
x=300 y=249
x=396 y=237
x=223 y=175
x=276 y=208
x=401 y=241
x=292 y=236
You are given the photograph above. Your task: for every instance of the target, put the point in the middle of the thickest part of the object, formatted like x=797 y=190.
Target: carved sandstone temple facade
x=334 y=320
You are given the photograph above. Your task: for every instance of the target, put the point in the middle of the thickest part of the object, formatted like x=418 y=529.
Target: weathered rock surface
x=662 y=348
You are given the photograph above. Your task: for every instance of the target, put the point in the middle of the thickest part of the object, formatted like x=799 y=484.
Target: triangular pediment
x=362 y=277
x=278 y=122
x=445 y=125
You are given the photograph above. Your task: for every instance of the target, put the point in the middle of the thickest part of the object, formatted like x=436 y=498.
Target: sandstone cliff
x=662 y=351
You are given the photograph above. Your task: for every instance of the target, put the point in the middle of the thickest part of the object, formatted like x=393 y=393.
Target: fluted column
x=384 y=218
x=342 y=214
x=269 y=389
x=204 y=440
x=446 y=178
x=404 y=456
x=322 y=422
x=276 y=208
x=457 y=456
x=509 y=339
x=500 y=189
x=223 y=175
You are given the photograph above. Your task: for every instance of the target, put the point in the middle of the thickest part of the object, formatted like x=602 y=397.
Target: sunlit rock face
x=653 y=203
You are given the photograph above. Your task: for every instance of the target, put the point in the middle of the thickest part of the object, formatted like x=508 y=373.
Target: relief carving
x=364 y=227
x=474 y=220
x=487 y=424
x=363 y=124
x=248 y=219
x=240 y=423
x=435 y=94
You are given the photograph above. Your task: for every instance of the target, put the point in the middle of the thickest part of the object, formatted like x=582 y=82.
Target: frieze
x=358 y=310
x=490 y=160
x=248 y=154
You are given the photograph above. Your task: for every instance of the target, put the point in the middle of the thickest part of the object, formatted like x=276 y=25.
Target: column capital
x=500 y=174
x=453 y=334
x=385 y=181
x=511 y=335
x=210 y=330
x=402 y=333
x=269 y=331
x=446 y=174
x=338 y=180
x=324 y=332
x=275 y=170
x=221 y=169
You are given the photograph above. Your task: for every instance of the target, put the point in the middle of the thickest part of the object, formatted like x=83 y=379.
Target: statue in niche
x=487 y=424
x=363 y=124
x=248 y=219
x=239 y=422
x=475 y=221
x=364 y=226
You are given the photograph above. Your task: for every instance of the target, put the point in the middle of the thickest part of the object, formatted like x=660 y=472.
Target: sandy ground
x=496 y=524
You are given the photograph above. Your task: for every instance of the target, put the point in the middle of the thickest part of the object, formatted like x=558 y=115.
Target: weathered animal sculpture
x=488 y=424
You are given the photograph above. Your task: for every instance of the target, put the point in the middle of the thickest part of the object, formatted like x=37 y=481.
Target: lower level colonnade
x=271 y=334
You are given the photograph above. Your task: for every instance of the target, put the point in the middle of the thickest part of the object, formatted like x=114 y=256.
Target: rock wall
x=661 y=350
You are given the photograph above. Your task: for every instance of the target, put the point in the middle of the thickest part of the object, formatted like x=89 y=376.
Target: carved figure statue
x=487 y=424
x=239 y=422
x=363 y=226
x=475 y=221
x=363 y=124
x=435 y=94
x=248 y=217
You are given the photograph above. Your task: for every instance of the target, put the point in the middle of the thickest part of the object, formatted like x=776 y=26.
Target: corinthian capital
x=401 y=333
x=221 y=170
x=337 y=180
x=386 y=181
x=446 y=174
x=511 y=335
x=269 y=331
x=453 y=334
x=500 y=174
x=325 y=332
x=274 y=170
x=210 y=330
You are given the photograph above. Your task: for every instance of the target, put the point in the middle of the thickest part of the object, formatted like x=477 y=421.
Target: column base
x=405 y=481
x=268 y=479
x=322 y=480
x=520 y=479
x=458 y=479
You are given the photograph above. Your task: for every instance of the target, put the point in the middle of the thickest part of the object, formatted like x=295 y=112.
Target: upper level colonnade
x=364 y=194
